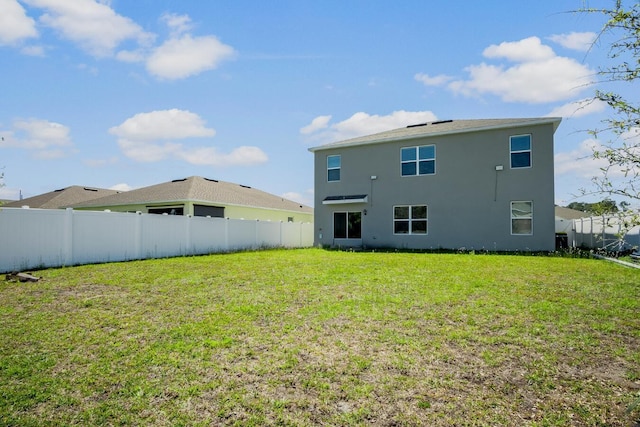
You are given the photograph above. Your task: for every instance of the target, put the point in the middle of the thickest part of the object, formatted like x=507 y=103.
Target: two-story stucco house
x=475 y=184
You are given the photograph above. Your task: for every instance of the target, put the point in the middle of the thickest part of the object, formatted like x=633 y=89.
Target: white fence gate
x=605 y=232
x=34 y=238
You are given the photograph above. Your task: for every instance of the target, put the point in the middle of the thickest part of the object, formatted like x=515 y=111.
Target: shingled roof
x=62 y=198
x=437 y=128
x=197 y=189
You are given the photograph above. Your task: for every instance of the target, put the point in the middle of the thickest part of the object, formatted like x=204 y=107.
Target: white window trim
x=530 y=151
x=511 y=217
x=330 y=169
x=410 y=220
x=417 y=161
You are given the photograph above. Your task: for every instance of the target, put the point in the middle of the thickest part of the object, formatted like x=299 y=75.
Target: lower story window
x=169 y=210
x=522 y=218
x=347 y=225
x=410 y=219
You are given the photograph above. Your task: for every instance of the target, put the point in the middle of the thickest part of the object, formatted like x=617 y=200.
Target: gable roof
x=61 y=198
x=198 y=190
x=437 y=128
x=567 y=213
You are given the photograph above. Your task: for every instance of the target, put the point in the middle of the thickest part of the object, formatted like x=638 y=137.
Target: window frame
x=529 y=151
x=519 y=218
x=334 y=168
x=410 y=221
x=418 y=160
x=348 y=223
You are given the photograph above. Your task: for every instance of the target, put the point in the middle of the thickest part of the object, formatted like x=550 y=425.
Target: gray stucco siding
x=469 y=202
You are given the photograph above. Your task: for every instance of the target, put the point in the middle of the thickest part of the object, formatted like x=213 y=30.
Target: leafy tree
x=606 y=206
x=621 y=175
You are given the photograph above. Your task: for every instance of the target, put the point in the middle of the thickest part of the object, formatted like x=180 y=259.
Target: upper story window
x=333 y=168
x=520 y=149
x=418 y=160
x=410 y=219
x=522 y=218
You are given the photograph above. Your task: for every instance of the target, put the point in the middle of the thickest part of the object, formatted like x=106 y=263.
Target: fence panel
x=164 y=236
x=268 y=233
x=605 y=232
x=208 y=235
x=115 y=239
x=34 y=238
x=244 y=234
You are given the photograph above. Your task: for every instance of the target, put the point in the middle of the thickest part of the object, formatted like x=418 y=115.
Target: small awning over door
x=341 y=200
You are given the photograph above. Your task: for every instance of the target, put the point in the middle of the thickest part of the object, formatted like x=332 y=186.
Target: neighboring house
x=565 y=229
x=474 y=184
x=565 y=217
x=197 y=196
x=61 y=198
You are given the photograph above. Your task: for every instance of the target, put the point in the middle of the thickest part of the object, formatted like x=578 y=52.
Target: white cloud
x=151 y=137
x=579 y=108
x=163 y=124
x=244 y=155
x=33 y=50
x=428 y=80
x=306 y=198
x=121 y=187
x=182 y=57
x=15 y=25
x=44 y=139
x=538 y=75
x=320 y=122
x=178 y=24
x=580 y=162
x=526 y=50
x=131 y=55
x=364 y=124
x=96 y=27
x=148 y=152
x=574 y=40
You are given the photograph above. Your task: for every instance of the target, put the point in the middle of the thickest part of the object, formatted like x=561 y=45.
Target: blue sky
x=128 y=93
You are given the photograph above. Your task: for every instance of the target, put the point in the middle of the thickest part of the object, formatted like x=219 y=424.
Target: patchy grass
x=308 y=337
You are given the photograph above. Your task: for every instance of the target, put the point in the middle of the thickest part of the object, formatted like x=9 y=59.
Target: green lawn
x=308 y=337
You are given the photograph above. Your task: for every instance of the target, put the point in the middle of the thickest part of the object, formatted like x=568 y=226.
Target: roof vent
x=417 y=125
x=179 y=180
x=441 y=121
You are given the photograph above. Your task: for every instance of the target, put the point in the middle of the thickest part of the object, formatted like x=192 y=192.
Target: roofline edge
x=337 y=144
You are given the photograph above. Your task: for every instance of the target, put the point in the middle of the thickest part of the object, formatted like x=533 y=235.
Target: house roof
x=61 y=198
x=198 y=190
x=439 y=128
x=566 y=213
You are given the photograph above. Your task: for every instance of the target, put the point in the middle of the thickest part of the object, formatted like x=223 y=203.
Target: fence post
x=257 y=233
x=137 y=249
x=604 y=232
x=67 y=247
x=188 y=237
x=226 y=235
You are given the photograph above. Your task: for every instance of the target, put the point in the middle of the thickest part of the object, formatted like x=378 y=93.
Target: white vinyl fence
x=34 y=238
x=605 y=232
